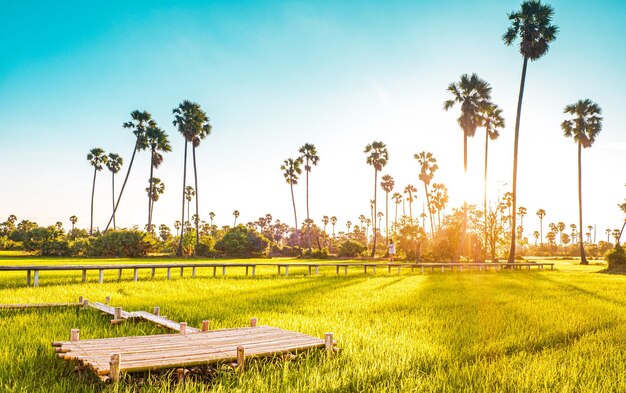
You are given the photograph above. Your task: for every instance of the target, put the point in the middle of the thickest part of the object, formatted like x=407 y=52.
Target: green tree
x=387 y=185
x=157 y=188
x=309 y=157
x=410 y=190
x=333 y=222
x=114 y=164
x=377 y=157
x=584 y=126
x=236 y=215
x=189 y=194
x=428 y=167
x=541 y=214
x=440 y=199
x=193 y=124
x=73 y=220
x=291 y=170
x=397 y=199
x=532 y=25
x=159 y=143
x=139 y=122
x=96 y=159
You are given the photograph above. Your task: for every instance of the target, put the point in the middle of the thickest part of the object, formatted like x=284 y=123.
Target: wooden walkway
x=111 y=356
x=32 y=272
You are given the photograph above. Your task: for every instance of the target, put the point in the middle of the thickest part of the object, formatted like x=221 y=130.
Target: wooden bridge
x=32 y=271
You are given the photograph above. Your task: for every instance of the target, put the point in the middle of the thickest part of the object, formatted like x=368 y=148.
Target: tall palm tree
x=291 y=170
x=73 y=220
x=177 y=225
x=536 y=235
x=428 y=167
x=541 y=214
x=194 y=126
x=521 y=212
x=159 y=143
x=532 y=25
x=397 y=199
x=573 y=228
x=440 y=200
x=157 y=188
x=211 y=217
x=492 y=120
x=96 y=159
x=410 y=190
x=348 y=224
x=236 y=215
x=309 y=156
x=333 y=222
x=363 y=220
x=114 y=164
x=377 y=156
x=387 y=184
x=138 y=123
x=325 y=221
x=584 y=126
x=189 y=194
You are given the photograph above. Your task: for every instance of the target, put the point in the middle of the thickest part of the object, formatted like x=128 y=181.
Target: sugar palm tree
x=96 y=159
x=492 y=120
x=189 y=194
x=211 y=217
x=158 y=143
x=291 y=170
x=410 y=190
x=333 y=222
x=521 y=212
x=387 y=184
x=541 y=214
x=114 y=164
x=348 y=224
x=157 y=188
x=377 y=157
x=73 y=220
x=177 y=226
x=309 y=157
x=193 y=124
x=428 y=167
x=608 y=234
x=139 y=122
x=536 y=235
x=236 y=215
x=532 y=25
x=584 y=126
x=440 y=200
x=380 y=216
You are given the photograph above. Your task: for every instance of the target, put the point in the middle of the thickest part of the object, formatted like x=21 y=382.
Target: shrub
x=10 y=245
x=123 y=243
x=242 y=242
x=79 y=247
x=317 y=254
x=351 y=248
x=46 y=241
x=616 y=257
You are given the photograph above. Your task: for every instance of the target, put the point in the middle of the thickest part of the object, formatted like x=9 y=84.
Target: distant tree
x=536 y=236
x=440 y=199
x=325 y=221
x=348 y=224
x=397 y=199
x=189 y=194
x=164 y=232
x=114 y=164
x=428 y=167
x=96 y=159
x=309 y=157
x=158 y=188
x=387 y=184
x=573 y=228
x=560 y=226
x=211 y=217
x=291 y=171
x=380 y=216
x=532 y=26
x=333 y=222
x=410 y=190
x=159 y=143
x=236 y=215
x=177 y=225
x=608 y=233
x=73 y=220
x=541 y=214
x=377 y=157
x=521 y=212
x=584 y=126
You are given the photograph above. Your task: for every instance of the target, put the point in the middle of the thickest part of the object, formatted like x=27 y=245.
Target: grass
x=562 y=330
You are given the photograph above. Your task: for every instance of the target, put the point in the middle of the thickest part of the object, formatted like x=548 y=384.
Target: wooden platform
x=145 y=353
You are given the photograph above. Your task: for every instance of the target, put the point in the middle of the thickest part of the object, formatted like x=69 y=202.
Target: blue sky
x=275 y=75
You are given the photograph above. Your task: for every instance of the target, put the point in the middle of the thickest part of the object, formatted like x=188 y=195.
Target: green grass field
x=562 y=330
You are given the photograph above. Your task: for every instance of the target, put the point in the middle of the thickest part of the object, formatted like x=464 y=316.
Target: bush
x=46 y=242
x=79 y=247
x=9 y=245
x=616 y=257
x=242 y=242
x=351 y=248
x=123 y=243
x=317 y=254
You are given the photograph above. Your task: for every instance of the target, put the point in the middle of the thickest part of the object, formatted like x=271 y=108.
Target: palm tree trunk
x=195 y=175
x=514 y=193
x=485 y=185
x=541 y=229
x=462 y=240
x=182 y=226
x=374 y=215
x=308 y=221
x=387 y=215
x=132 y=158
x=150 y=190
x=112 y=198
x=429 y=211
x=583 y=258
x=93 y=191
x=295 y=216
x=411 y=207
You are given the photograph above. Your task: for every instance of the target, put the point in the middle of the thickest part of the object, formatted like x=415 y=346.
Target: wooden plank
x=38 y=305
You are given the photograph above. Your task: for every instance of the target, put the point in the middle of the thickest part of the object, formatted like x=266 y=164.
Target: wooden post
x=153 y=272
x=156 y=310
x=119 y=274
x=205 y=325
x=28 y=278
x=374 y=269
x=114 y=368
x=36 y=279
x=345 y=269
x=117 y=314
x=247 y=270
x=388 y=268
x=135 y=275
x=193 y=272
x=214 y=269
x=224 y=270
x=422 y=269
x=253 y=322
x=169 y=273
x=74 y=335
x=364 y=269
x=85 y=302
x=328 y=343
x=181 y=373
x=80 y=299
x=183 y=328
x=107 y=300
x=253 y=270
x=286 y=270
x=309 y=269
x=399 y=267
x=442 y=268
x=317 y=272
x=461 y=268
x=181 y=271
x=84 y=275
x=101 y=276
x=241 y=359
x=278 y=266
x=337 y=269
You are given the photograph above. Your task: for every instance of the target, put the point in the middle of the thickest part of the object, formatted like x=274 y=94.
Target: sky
x=274 y=75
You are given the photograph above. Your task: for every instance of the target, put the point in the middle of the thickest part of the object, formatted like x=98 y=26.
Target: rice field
x=562 y=330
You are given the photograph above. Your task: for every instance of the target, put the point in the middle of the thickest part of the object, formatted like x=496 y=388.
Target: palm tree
x=155 y=189
x=397 y=199
x=189 y=194
x=348 y=224
x=177 y=225
x=309 y=156
x=560 y=226
x=158 y=142
x=114 y=164
x=211 y=217
x=377 y=156
x=387 y=184
x=96 y=158
x=291 y=171
x=521 y=212
x=410 y=190
x=616 y=235
x=236 y=215
x=428 y=167
x=589 y=227
x=193 y=124
x=73 y=220
x=440 y=200
x=333 y=222
x=541 y=214
x=536 y=235
x=608 y=233
x=532 y=26
x=139 y=122
x=492 y=120
x=573 y=228
x=584 y=126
